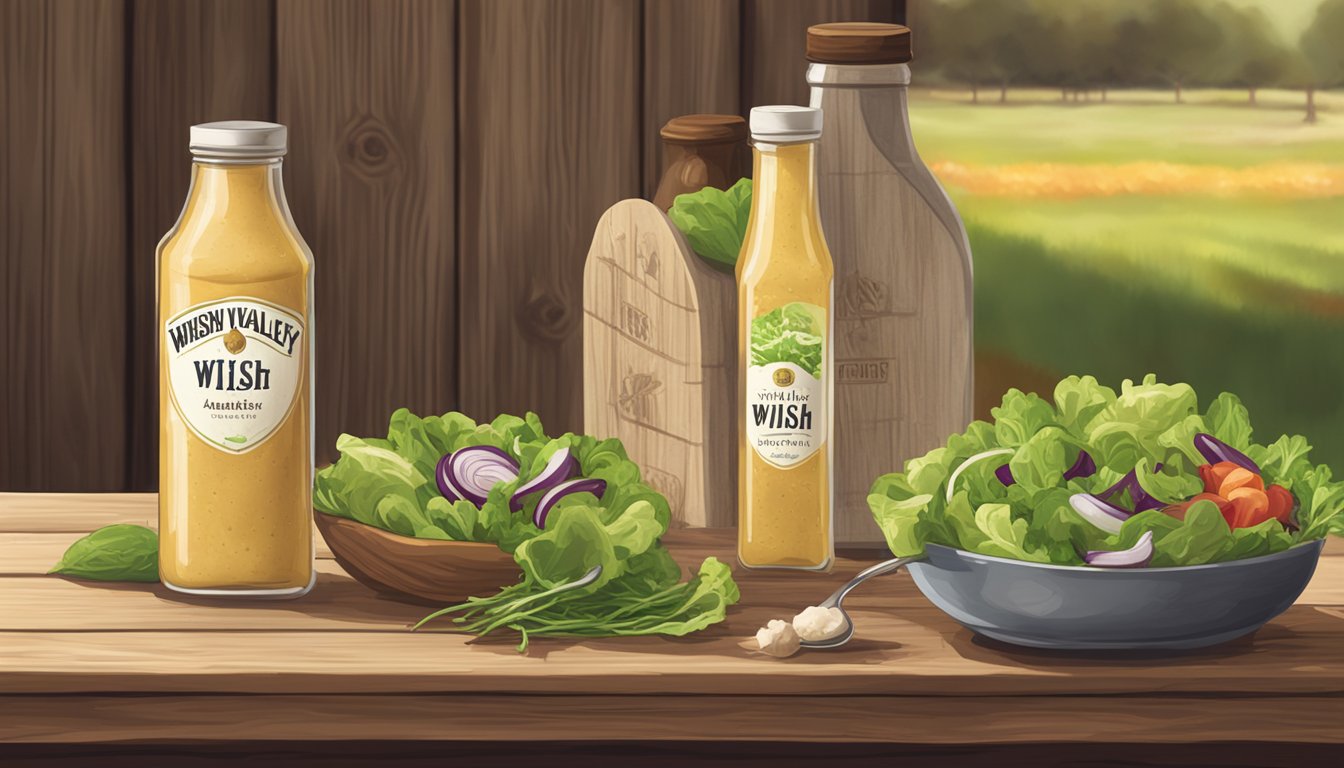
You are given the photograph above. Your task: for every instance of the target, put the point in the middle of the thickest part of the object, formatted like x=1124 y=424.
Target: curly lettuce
x=389 y=483
x=1146 y=428
x=714 y=222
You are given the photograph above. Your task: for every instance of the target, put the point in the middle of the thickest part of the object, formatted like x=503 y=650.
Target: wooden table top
x=146 y=664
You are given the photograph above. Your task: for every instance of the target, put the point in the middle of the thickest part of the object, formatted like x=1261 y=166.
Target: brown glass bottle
x=701 y=151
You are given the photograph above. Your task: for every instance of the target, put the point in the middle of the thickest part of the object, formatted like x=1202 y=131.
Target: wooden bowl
x=424 y=571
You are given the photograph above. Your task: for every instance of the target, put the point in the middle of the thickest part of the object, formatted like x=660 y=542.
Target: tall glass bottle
x=235 y=375
x=903 y=351
x=784 y=278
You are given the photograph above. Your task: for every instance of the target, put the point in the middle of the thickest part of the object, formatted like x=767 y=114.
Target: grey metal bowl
x=1074 y=607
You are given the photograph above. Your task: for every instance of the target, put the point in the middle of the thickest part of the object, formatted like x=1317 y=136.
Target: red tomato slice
x=1217 y=474
x=1240 y=477
x=1247 y=507
x=1178 y=510
x=1280 y=504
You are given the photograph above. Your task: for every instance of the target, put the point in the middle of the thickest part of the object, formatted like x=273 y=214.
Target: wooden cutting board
x=659 y=355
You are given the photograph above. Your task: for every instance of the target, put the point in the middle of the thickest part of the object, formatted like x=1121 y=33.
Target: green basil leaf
x=113 y=553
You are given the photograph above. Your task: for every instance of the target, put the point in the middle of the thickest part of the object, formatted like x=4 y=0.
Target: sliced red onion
x=560 y=467
x=1099 y=512
x=444 y=481
x=1084 y=466
x=1148 y=502
x=952 y=481
x=469 y=473
x=1137 y=556
x=548 y=501
x=1214 y=451
x=1130 y=482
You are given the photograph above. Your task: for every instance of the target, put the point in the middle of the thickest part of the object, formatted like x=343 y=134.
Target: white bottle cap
x=785 y=123
x=238 y=139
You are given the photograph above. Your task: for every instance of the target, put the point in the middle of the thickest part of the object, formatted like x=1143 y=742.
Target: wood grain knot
x=369 y=150
x=545 y=317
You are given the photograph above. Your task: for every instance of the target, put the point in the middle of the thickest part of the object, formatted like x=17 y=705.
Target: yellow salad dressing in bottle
x=235 y=284
x=784 y=290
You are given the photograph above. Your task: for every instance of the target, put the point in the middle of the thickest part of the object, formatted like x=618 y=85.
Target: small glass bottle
x=235 y=288
x=784 y=278
x=701 y=151
x=904 y=299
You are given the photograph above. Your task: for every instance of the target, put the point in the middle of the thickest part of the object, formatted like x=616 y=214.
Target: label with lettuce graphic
x=786 y=400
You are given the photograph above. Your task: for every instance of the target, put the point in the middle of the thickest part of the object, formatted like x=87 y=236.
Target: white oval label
x=786 y=413
x=233 y=369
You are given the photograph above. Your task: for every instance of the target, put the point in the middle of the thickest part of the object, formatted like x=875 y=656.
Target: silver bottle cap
x=239 y=139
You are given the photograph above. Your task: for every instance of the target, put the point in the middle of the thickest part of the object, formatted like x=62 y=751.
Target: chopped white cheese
x=816 y=623
x=777 y=638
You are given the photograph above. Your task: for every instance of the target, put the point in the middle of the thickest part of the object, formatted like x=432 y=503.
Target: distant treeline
x=1090 y=46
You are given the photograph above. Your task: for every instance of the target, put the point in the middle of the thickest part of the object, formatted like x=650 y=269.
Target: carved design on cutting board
x=635 y=323
x=646 y=256
x=869 y=371
x=862 y=296
x=860 y=300
x=666 y=483
x=637 y=400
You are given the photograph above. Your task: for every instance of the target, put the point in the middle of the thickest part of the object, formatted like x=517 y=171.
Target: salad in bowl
x=1111 y=520
x=1096 y=478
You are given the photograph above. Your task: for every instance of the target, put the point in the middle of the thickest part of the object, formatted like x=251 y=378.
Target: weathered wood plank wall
x=368 y=89
x=195 y=62
x=64 y=346
x=448 y=163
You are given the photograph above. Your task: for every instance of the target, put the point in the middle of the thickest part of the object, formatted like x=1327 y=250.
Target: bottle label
x=234 y=367
x=786 y=397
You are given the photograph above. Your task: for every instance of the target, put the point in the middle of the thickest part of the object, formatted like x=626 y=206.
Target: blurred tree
x=1177 y=42
x=966 y=45
x=1088 y=51
x=1323 y=52
x=1082 y=46
x=1016 y=33
x=1253 y=55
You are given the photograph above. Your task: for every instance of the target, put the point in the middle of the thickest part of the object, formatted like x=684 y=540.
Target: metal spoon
x=834 y=601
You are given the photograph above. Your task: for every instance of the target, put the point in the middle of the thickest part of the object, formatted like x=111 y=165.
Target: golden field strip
x=1065 y=181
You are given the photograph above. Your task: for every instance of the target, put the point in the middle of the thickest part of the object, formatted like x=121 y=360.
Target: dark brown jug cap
x=704 y=129
x=858 y=42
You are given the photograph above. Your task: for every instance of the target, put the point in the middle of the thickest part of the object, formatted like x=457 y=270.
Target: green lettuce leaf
x=714 y=222
x=113 y=553
x=1228 y=420
x=1170 y=485
x=1078 y=400
x=1042 y=460
x=1020 y=416
x=1128 y=429
x=900 y=522
x=1284 y=461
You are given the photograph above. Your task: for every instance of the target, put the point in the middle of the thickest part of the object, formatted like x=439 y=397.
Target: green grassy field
x=1233 y=289
x=1213 y=127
